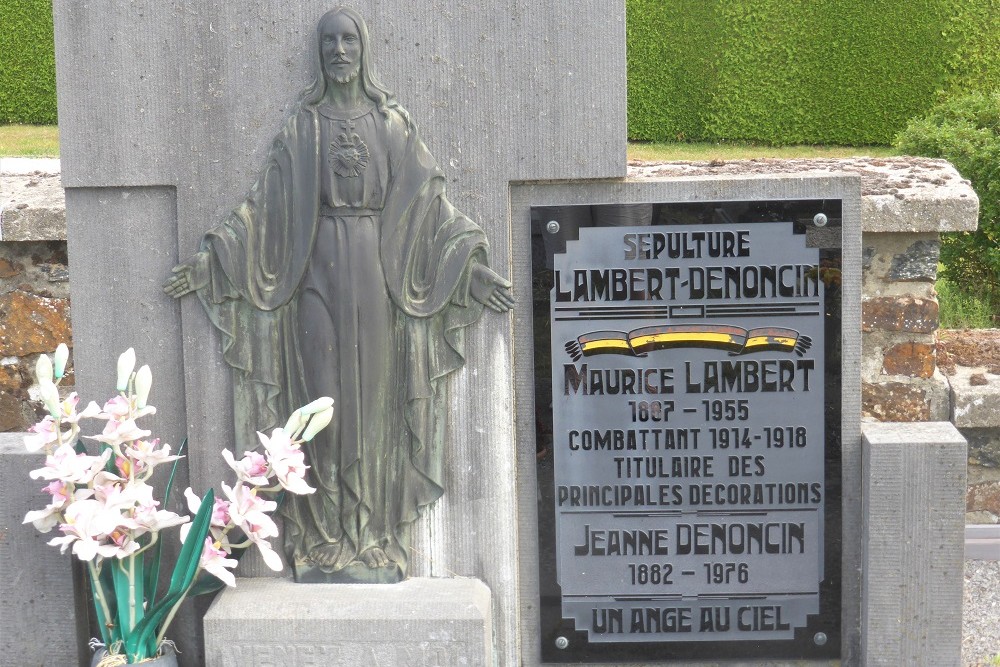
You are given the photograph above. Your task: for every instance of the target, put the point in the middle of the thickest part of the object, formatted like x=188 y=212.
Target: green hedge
x=965 y=130
x=799 y=71
x=27 y=62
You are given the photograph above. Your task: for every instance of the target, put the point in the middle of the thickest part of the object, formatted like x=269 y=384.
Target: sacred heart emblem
x=348 y=155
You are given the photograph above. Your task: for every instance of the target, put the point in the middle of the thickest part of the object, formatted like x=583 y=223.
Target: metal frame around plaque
x=688 y=429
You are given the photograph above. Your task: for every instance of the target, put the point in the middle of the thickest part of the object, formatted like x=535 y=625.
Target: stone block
x=37 y=607
x=30 y=324
x=907 y=314
x=32 y=206
x=913 y=359
x=918 y=263
x=914 y=478
x=974 y=403
x=417 y=622
x=984 y=446
x=895 y=401
x=983 y=497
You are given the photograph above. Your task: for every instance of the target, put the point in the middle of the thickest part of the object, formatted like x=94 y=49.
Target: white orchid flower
x=66 y=465
x=87 y=531
x=214 y=562
x=287 y=460
x=115 y=433
x=252 y=468
x=45 y=433
x=146 y=455
x=248 y=512
x=220 y=510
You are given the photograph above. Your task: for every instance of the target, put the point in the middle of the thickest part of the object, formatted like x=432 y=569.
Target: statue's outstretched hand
x=490 y=289
x=189 y=276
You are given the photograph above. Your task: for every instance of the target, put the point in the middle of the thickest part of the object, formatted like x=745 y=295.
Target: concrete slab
x=415 y=623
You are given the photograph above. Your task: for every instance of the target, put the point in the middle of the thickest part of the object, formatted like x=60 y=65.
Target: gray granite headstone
x=166 y=113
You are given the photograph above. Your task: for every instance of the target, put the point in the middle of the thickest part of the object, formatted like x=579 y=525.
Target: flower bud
x=61 y=357
x=50 y=396
x=126 y=362
x=43 y=369
x=143 y=382
x=318 y=422
x=316 y=406
x=294 y=424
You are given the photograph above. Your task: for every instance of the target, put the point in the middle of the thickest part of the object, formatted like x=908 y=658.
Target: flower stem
x=95 y=577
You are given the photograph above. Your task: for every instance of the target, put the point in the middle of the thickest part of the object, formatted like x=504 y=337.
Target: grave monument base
x=416 y=622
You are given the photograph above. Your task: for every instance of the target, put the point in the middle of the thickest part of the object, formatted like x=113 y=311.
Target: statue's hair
x=372 y=87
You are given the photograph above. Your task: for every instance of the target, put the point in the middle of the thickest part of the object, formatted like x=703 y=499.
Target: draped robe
x=386 y=270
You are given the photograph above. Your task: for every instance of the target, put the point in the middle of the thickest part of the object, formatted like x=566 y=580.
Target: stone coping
x=32 y=202
x=898 y=194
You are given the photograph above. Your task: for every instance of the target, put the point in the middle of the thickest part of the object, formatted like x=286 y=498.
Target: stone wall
x=907 y=203
x=34 y=283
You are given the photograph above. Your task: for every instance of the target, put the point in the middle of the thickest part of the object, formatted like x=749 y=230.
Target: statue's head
x=341 y=55
x=343 y=40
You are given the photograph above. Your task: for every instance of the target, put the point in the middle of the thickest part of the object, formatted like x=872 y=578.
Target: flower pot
x=167 y=658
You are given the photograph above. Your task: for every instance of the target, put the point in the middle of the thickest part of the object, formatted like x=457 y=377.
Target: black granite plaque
x=688 y=412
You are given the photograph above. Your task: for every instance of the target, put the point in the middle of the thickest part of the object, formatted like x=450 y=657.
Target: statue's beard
x=349 y=77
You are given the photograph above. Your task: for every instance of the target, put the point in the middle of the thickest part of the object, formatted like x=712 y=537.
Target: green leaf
x=153 y=572
x=144 y=634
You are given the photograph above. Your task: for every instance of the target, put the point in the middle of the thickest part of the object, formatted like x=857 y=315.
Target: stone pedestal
x=418 y=622
x=912 y=569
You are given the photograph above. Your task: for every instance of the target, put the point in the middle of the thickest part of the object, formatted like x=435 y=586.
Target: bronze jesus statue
x=346 y=272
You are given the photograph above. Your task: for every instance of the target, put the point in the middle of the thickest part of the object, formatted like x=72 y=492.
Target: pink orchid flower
x=214 y=562
x=120 y=409
x=220 y=511
x=46 y=519
x=115 y=433
x=92 y=529
x=147 y=455
x=45 y=433
x=287 y=460
x=252 y=468
x=248 y=512
x=66 y=465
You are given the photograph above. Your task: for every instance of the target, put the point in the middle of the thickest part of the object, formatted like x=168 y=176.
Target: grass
x=962 y=310
x=29 y=140
x=740 y=151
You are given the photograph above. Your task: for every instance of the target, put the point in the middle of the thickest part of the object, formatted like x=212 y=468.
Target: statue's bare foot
x=374 y=557
x=326 y=555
